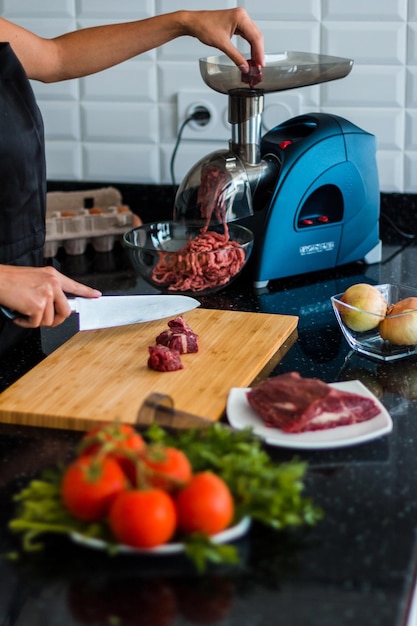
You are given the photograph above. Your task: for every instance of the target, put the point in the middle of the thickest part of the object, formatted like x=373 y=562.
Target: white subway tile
x=364 y=10
x=376 y=86
x=410 y=172
x=391 y=171
x=67 y=90
x=61 y=120
x=272 y=10
x=186 y=157
x=166 y=6
x=175 y=77
x=412 y=10
x=412 y=44
x=121 y=162
x=119 y=122
x=50 y=8
x=386 y=124
x=167 y=115
x=63 y=160
x=119 y=10
x=411 y=129
x=379 y=43
x=291 y=35
x=411 y=96
x=130 y=81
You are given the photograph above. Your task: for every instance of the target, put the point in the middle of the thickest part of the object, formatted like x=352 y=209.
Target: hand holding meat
x=215 y=28
x=37 y=294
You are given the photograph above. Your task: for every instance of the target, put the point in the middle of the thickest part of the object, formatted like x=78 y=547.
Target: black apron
x=22 y=176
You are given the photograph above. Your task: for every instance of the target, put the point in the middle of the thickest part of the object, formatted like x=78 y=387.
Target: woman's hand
x=37 y=294
x=216 y=28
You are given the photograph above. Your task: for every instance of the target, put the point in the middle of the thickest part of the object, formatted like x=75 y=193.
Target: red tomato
x=170 y=468
x=123 y=437
x=143 y=518
x=90 y=485
x=122 y=442
x=205 y=505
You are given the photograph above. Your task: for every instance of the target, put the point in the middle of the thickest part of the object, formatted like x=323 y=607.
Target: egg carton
x=74 y=230
x=75 y=219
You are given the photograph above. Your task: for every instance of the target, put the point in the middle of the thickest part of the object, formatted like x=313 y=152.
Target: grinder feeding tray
x=308 y=189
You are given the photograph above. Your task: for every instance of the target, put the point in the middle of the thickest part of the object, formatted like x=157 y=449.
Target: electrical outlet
x=278 y=107
x=217 y=128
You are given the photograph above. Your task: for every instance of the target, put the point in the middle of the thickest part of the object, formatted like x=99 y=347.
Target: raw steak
x=179 y=336
x=295 y=404
x=163 y=359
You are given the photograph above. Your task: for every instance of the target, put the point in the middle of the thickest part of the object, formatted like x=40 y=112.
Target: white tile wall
x=121 y=125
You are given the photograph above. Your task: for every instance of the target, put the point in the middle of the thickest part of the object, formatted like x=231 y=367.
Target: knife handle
x=12 y=315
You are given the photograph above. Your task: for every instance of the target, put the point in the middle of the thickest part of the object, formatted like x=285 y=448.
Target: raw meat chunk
x=295 y=404
x=163 y=359
x=179 y=336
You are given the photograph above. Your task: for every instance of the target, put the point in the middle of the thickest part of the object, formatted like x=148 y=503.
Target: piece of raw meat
x=254 y=76
x=296 y=404
x=163 y=359
x=179 y=336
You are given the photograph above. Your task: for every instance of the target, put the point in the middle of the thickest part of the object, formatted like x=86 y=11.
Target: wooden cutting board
x=102 y=375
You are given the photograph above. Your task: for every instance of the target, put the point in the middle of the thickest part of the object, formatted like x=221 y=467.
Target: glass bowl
x=370 y=342
x=178 y=258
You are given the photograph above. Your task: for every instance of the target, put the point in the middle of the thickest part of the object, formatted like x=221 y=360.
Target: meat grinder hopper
x=247 y=181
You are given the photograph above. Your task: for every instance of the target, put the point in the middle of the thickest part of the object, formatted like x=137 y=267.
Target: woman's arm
x=91 y=50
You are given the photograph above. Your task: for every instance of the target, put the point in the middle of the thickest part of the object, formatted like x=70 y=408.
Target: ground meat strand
x=212 y=194
x=211 y=259
x=202 y=263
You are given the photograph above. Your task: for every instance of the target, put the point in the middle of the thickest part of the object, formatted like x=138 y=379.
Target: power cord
x=200 y=115
x=397 y=230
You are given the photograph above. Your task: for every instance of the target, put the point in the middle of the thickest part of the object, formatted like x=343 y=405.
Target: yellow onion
x=370 y=306
x=400 y=325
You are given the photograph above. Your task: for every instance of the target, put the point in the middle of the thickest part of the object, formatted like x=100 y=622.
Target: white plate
x=241 y=415
x=228 y=535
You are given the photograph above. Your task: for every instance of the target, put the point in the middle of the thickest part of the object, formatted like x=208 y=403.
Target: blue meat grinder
x=308 y=189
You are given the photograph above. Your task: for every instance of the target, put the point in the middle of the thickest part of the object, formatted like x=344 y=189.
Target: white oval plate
x=241 y=415
x=228 y=535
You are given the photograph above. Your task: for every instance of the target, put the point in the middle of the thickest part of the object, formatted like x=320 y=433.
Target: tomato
x=205 y=505
x=122 y=442
x=143 y=518
x=90 y=485
x=170 y=468
x=123 y=437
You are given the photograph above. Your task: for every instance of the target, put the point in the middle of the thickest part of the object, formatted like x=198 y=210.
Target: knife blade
x=111 y=311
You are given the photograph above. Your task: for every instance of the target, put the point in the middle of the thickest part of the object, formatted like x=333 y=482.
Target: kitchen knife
x=109 y=311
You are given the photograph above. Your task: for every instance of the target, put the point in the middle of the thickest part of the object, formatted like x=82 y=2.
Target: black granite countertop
x=355 y=568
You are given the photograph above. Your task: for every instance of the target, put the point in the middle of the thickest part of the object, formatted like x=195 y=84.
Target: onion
x=400 y=325
x=370 y=306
